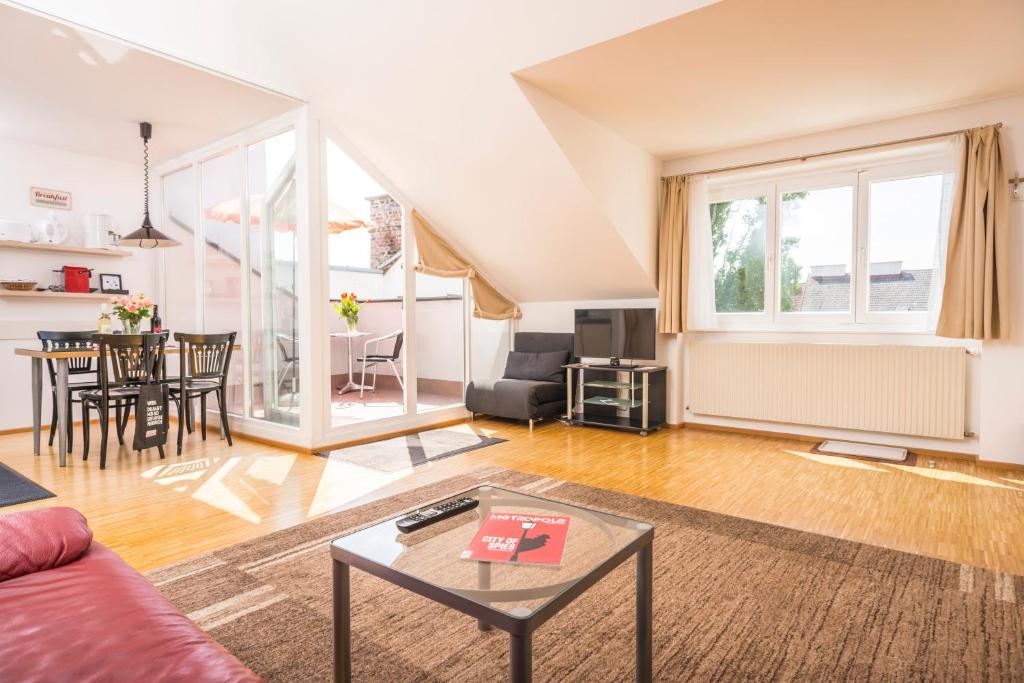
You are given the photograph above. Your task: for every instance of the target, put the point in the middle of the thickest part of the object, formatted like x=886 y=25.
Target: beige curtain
x=673 y=254
x=976 y=295
x=437 y=257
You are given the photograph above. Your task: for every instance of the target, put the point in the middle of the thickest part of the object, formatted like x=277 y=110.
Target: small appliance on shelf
x=49 y=230
x=74 y=278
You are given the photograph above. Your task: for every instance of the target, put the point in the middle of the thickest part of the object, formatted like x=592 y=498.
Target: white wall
x=622 y=177
x=996 y=386
x=97 y=186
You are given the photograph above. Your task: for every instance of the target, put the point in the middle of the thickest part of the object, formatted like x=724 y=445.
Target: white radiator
x=913 y=390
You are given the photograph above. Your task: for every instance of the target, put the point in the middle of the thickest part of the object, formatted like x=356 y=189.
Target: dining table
x=60 y=359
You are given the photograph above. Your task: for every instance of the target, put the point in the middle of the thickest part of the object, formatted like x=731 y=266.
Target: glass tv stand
x=632 y=398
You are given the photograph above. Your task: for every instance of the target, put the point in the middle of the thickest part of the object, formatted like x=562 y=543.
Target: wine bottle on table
x=155 y=324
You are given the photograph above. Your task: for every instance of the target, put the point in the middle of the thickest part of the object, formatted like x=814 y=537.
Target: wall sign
x=51 y=199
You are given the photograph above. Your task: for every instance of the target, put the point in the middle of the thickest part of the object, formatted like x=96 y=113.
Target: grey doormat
x=15 y=488
x=412 y=450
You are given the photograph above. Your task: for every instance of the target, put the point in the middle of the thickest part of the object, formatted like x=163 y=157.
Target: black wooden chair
x=205 y=361
x=77 y=368
x=126 y=361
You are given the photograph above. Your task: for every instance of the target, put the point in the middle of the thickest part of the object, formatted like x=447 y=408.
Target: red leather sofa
x=72 y=610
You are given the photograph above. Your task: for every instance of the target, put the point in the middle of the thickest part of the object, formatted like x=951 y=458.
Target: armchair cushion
x=35 y=540
x=518 y=399
x=544 y=366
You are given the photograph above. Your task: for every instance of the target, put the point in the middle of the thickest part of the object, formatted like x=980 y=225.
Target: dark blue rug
x=14 y=488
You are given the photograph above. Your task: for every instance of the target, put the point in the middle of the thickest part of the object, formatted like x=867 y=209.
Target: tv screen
x=615 y=333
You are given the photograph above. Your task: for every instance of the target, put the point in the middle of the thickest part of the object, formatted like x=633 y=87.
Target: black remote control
x=422 y=518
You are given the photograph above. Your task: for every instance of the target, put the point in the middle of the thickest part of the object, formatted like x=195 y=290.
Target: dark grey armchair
x=533 y=387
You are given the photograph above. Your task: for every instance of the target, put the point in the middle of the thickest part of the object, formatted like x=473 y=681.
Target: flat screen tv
x=616 y=333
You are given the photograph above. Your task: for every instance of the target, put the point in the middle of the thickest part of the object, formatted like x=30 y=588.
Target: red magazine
x=523 y=539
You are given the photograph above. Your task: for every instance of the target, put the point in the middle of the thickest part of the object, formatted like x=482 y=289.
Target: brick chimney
x=385 y=230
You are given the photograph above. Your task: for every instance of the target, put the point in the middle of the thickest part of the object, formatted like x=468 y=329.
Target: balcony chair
x=126 y=361
x=205 y=361
x=371 y=359
x=289 y=347
x=77 y=368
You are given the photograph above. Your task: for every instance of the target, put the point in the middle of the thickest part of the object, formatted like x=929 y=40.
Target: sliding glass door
x=221 y=254
x=273 y=259
x=234 y=212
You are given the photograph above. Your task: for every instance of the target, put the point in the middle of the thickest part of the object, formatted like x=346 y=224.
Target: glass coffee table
x=516 y=598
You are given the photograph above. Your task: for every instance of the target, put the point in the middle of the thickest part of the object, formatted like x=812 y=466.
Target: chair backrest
x=398 y=346
x=289 y=347
x=67 y=341
x=130 y=358
x=205 y=356
x=541 y=342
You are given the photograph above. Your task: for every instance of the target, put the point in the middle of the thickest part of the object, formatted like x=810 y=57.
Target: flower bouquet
x=348 y=308
x=131 y=310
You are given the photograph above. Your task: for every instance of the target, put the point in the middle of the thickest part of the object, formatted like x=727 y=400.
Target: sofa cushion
x=518 y=399
x=545 y=366
x=97 y=619
x=37 y=540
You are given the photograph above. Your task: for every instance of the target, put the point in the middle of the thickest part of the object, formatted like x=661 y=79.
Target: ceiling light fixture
x=146 y=237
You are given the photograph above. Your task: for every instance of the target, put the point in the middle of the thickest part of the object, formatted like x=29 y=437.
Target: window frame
x=859 y=173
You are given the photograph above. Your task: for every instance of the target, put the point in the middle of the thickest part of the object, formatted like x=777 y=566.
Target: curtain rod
x=805 y=157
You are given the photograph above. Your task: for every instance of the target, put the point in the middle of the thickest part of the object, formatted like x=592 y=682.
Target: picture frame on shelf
x=110 y=283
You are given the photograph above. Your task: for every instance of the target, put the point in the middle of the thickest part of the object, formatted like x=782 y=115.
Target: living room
x=370 y=300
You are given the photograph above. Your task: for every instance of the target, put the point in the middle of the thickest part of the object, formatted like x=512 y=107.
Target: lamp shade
x=147 y=237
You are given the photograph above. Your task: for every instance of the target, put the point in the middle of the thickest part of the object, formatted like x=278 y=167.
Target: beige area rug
x=733 y=600
x=412 y=450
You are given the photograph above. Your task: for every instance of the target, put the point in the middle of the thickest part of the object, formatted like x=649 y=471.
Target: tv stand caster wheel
x=643 y=432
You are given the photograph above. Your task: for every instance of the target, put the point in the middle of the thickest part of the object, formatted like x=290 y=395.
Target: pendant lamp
x=146 y=237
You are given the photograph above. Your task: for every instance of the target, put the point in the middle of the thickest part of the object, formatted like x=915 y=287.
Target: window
x=854 y=249
x=738 y=228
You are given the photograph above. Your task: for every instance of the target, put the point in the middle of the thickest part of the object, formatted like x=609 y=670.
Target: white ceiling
x=429 y=92
x=79 y=91
x=745 y=71
x=425 y=91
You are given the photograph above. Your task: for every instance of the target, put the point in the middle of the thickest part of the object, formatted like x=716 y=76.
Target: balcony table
x=60 y=358
x=350 y=385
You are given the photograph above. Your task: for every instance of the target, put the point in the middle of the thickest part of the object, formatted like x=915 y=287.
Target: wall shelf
x=47 y=294
x=62 y=248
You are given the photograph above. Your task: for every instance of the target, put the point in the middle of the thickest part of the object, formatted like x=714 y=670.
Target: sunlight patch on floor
x=179 y=471
x=957 y=477
x=272 y=468
x=216 y=492
x=838 y=461
x=342 y=482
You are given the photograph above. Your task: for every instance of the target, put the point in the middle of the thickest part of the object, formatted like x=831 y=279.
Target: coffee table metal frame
x=520 y=629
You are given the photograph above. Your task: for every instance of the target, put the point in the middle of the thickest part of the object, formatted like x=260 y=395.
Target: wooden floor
x=157 y=512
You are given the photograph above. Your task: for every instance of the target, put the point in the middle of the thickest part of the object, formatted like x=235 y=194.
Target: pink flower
x=132 y=308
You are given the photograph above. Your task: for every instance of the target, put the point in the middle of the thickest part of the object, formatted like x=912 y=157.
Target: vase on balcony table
x=130 y=326
x=352 y=325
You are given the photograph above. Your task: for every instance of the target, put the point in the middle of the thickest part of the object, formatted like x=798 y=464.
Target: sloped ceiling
x=425 y=91
x=740 y=72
